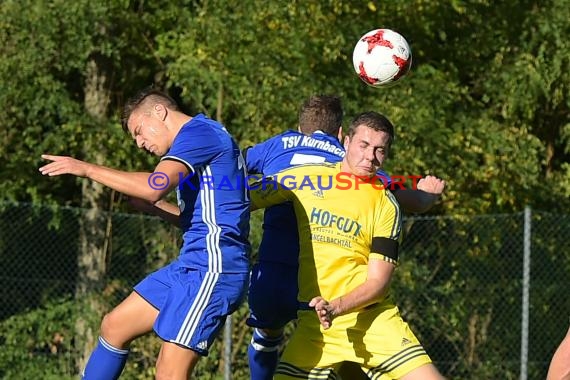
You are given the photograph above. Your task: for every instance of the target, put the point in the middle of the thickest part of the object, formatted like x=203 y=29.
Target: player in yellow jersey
x=349 y=232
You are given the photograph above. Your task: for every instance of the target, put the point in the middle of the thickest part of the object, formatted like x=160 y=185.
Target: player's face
x=149 y=132
x=366 y=151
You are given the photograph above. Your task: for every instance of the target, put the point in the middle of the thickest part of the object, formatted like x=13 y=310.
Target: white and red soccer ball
x=381 y=57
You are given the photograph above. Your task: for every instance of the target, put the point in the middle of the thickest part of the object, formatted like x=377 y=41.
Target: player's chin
x=366 y=172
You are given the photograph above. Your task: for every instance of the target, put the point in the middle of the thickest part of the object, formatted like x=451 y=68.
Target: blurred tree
x=69 y=65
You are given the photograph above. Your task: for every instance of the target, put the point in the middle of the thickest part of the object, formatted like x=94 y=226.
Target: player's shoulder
x=386 y=202
x=198 y=128
x=201 y=122
x=324 y=168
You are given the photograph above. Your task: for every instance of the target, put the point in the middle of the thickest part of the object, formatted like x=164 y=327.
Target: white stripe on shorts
x=197 y=309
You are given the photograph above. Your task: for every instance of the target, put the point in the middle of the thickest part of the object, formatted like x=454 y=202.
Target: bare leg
x=130 y=319
x=175 y=362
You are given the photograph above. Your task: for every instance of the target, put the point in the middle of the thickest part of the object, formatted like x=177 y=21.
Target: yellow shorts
x=376 y=338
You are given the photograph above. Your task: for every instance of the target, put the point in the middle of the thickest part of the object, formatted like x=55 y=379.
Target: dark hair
x=372 y=120
x=147 y=97
x=321 y=113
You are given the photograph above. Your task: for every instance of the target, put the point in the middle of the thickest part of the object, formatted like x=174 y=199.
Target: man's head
x=144 y=117
x=321 y=113
x=367 y=144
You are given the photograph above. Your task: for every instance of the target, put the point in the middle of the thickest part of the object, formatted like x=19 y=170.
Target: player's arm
x=370 y=291
x=266 y=191
x=253 y=160
x=382 y=261
x=148 y=186
x=427 y=192
x=167 y=211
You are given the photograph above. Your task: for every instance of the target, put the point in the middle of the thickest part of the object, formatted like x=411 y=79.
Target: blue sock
x=105 y=363
x=263 y=355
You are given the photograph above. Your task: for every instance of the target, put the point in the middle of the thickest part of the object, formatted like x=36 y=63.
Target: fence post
x=525 y=294
x=228 y=348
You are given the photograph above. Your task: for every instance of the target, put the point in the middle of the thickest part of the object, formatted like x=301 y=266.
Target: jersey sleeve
x=386 y=235
x=255 y=157
x=195 y=146
x=267 y=191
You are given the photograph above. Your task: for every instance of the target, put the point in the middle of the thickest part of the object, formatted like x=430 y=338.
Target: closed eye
x=138 y=130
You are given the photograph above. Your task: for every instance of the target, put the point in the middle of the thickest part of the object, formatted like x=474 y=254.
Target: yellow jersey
x=343 y=222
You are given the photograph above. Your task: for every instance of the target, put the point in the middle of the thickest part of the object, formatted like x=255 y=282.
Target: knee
x=110 y=331
x=107 y=324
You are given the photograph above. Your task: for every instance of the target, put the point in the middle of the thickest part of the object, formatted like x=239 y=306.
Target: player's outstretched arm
x=427 y=192
x=149 y=186
x=65 y=165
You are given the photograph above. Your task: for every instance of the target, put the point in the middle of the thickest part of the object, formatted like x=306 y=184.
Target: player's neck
x=177 y=121
x=344 y=167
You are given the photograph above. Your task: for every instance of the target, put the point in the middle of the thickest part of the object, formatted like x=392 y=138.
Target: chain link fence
x=487 y=295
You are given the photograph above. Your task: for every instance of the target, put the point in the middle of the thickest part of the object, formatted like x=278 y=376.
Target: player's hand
x=64 y=165
x=431 y=184
x=324 y=311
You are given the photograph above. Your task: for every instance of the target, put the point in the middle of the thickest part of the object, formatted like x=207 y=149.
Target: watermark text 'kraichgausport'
x=340 y=181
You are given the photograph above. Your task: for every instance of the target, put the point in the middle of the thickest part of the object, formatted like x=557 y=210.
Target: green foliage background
x=486 y=105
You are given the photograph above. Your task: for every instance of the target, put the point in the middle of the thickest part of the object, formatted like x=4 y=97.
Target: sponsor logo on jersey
x=328 y=219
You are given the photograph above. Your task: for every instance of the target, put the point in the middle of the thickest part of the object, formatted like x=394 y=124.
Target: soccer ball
x=381 y=57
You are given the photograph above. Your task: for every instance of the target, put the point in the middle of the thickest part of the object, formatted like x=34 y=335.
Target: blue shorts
x=192 y=305
x=272 y=295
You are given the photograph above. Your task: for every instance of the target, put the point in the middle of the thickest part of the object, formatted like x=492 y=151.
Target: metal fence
x=487 y=295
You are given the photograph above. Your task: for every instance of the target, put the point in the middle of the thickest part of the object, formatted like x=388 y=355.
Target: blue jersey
x=280 y=240
x=214 y=219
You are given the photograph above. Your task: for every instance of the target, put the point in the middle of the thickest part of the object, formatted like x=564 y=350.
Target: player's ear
x=299 y=129
x=346 y=142
x=160 y=111
x=339 y=136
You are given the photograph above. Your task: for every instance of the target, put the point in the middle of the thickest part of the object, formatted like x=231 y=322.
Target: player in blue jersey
x=273 y=286
x=187 y=301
